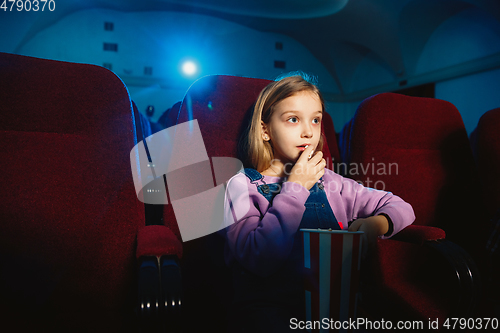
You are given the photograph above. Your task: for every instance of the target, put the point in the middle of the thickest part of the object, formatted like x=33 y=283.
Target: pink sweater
x=260 y=236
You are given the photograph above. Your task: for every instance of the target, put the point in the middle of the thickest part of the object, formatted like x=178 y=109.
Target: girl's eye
x=316 y=120
x=293 y=120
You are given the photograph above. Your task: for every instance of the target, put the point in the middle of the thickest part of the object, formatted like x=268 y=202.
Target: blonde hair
x=260 y=152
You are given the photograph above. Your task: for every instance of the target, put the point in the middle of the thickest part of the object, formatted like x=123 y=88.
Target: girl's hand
x=307 y=172
x=372 y=227
x=376 y=225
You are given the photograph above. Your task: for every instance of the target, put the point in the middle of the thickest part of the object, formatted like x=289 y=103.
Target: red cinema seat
x=485 y=143
x=418 y=149
x=70 y=214
x=221 y=105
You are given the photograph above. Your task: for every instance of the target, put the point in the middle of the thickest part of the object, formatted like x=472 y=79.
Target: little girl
x=288 y=188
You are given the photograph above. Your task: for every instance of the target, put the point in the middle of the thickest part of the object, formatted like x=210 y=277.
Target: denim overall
x=274 y=299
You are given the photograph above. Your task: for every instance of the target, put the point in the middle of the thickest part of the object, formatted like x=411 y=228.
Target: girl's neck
x=278 y=169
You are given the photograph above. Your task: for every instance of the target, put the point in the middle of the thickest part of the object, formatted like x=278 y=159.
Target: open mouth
x=302 y=147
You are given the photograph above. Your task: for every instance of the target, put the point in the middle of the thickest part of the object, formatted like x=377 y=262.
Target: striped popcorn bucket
x=332 y=263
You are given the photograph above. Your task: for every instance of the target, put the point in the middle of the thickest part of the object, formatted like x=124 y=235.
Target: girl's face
x=295 y=123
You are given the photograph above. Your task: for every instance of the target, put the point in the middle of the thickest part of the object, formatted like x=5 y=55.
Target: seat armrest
x=419 y=234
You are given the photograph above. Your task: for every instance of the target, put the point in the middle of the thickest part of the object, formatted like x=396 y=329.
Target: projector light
x=189 y=68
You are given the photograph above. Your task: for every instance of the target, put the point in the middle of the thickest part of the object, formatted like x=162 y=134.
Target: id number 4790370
x=27 y=5
x=471 y=323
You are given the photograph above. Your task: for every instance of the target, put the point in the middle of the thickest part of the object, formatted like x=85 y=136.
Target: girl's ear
x=264 y=131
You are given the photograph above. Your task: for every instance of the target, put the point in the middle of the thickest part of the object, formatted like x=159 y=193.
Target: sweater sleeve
x=259 y=235
x=362 y=202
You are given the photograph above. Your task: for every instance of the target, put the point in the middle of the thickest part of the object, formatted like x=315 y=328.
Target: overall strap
x=269 y=191
x=252 y=174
